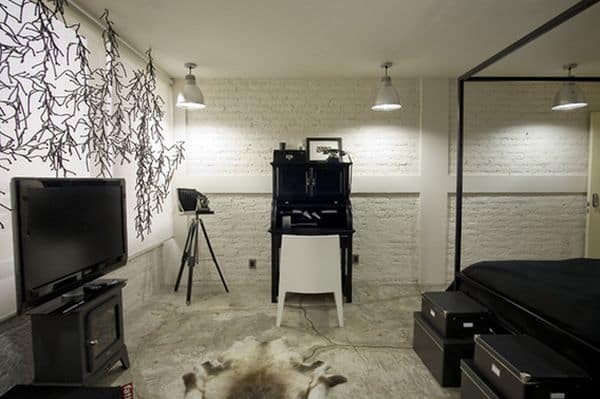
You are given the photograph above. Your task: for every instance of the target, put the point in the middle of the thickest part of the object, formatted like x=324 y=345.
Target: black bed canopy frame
x=470 y=77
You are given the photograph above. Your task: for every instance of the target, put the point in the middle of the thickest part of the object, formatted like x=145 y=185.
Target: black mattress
x=566 y=293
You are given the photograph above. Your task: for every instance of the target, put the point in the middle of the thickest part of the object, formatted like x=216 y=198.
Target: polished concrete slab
x=166 y=338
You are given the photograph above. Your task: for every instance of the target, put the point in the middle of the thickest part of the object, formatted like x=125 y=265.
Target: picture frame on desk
x=316 y=147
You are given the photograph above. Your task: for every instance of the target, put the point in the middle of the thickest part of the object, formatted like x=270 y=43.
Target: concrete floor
x=166 y=338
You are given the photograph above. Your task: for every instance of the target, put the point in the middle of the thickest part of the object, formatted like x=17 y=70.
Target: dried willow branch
x=156 y=162
x=108 y=139
x=119 y=120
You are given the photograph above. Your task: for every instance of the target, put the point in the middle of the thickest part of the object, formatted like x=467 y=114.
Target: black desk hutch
x=311 y=198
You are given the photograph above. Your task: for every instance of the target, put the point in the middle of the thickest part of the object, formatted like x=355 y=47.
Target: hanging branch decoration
x=108 y=139
x=60 y=108
x=34 y=114
x=156 y=162
x=35 y=93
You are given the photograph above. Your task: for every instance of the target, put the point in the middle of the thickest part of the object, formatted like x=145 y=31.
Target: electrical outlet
x=355 y=259
x=252 y=263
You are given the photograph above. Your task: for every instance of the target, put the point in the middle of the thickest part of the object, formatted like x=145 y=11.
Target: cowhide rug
x=260 y=370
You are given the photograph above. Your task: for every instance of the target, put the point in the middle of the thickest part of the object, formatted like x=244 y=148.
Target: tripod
x=190 y=254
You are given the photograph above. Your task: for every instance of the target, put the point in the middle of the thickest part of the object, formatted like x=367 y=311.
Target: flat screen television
x=66 y=233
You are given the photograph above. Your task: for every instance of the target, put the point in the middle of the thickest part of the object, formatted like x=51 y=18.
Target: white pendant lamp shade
x=387 y=96
x=190 y=97
x=570 y=96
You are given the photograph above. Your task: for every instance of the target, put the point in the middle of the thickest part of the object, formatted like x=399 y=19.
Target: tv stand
x=76 y=341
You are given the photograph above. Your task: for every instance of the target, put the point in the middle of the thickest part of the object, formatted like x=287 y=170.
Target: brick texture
x=509 y=227
x=246 y=119
x=511 y=130
x=386 y=237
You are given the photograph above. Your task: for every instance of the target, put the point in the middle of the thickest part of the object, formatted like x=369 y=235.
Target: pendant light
x=387 y=96
x=570 y=96
x=190 y=97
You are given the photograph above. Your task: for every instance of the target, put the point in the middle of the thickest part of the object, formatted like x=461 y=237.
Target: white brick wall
x=511 y=130
x=246 y=119
x=508 y=227
x=238 y=231
x=386 y=237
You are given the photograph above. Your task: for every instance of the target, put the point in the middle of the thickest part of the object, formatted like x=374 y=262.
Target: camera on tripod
x=191 y=201
x=194 y=203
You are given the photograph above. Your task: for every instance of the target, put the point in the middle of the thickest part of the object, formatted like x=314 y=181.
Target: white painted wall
x=524 y=159
x=162 y=224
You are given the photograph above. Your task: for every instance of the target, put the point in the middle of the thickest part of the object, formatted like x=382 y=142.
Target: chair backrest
x=310 y=264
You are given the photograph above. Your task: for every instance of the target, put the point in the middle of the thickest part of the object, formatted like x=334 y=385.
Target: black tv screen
x=66 y=232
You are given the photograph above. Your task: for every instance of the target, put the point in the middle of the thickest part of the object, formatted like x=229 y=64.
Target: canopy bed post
x=459 y=177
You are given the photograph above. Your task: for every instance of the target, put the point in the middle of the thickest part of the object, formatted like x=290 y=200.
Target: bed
x=557 y=302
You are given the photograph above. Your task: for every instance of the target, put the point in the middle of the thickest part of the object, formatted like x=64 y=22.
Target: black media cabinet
x=75 y=342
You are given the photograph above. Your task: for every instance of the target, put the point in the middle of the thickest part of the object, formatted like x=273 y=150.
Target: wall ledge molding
x=474 y=184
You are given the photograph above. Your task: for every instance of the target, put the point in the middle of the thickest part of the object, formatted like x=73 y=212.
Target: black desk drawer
x=521 y=367
x=441 y=355
x=473 y=386
x=454 y=315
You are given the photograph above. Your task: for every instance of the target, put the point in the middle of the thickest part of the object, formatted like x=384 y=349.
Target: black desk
x=311 y=198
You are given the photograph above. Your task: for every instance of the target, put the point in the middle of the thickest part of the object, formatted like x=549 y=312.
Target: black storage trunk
x=521 y=367
x=441 y=355
x=473 y=386
x=454 y=315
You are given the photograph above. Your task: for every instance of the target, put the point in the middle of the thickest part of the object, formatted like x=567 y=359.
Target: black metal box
x=521 y=367
x=473 y=386
x=441 y=355
x=454 y=315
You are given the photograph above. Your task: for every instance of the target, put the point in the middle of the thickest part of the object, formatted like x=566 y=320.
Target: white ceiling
x=350 y=38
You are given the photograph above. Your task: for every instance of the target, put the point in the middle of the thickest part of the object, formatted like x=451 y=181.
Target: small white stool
x=310 y=265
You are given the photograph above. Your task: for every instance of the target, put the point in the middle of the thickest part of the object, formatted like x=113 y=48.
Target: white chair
x=310 y=265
